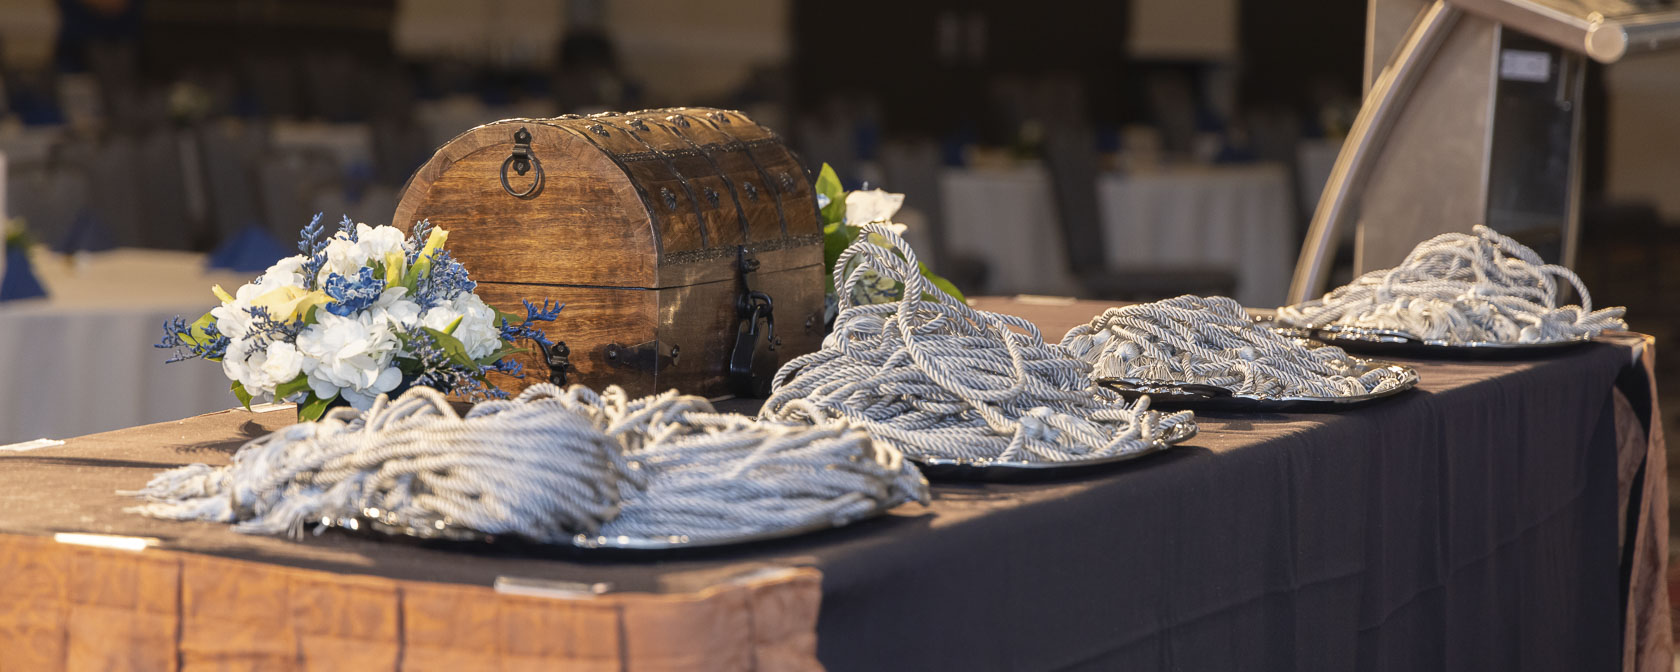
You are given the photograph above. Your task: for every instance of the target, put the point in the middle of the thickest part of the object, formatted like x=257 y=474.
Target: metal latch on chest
x=751 y=308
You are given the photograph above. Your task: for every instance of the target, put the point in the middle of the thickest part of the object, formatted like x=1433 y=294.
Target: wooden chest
x=684 y=242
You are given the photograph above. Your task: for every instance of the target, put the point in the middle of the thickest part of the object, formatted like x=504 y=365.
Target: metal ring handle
x=536 y=180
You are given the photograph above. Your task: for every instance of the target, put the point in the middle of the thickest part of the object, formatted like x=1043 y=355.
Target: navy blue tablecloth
x=1468 y=525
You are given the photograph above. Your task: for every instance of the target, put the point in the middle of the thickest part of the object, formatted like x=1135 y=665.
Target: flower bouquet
x=844 y=214
x=363 y=312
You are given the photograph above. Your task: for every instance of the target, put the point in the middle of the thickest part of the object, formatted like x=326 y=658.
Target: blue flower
x=353 y=295
x=547 y=313
x=348 y=228
x=265 y=329
x=417 y=239
x=178 y=336
x=312 y=245
x=439 y=371
x=446 y=280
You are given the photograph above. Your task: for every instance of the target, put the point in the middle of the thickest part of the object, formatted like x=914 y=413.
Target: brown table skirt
x=69 y=607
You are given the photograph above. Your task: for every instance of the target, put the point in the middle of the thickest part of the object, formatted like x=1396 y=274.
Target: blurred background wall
x=1129 y=149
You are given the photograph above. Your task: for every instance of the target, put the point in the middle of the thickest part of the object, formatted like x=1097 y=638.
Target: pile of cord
x=937 y=379
x=549 y=466
x=1212 y=341
x=1458 y=289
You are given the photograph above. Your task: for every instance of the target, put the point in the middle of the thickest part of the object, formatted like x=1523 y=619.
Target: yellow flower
x=423 y=264
x=393 y=269
x=289 y=303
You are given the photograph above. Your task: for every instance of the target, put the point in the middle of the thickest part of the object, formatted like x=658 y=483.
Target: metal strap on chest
x=734 y=192
x=603 y=122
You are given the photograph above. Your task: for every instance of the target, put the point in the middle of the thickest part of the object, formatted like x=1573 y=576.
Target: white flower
x=264 y=369
x=233 y=318
x=282 y=364
x=350 y=356
x=343 y=257
x=873 y=206
x=389 y=378
x=247 y=371
x=440 y=316
x=479 y=330
x=394 y=307
x=376 y=242
x=287 y=272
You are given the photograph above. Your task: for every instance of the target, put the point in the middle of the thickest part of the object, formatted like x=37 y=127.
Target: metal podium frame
x=1422 y=157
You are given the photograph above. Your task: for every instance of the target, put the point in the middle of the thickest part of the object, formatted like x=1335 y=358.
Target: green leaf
x=836 y=238
x=941 y=283
x=409 y=366
x=244 y=397
x=828 y=184
x=451 y=346
x=422 y=266
x=510 y=317
x=504 y=351
x=452 y=325
x=291 y=387
x=313 y=407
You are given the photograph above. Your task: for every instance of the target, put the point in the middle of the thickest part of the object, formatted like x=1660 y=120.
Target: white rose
x=874 y=205
x=376 y=242
x=350 y=356
x=283 y=362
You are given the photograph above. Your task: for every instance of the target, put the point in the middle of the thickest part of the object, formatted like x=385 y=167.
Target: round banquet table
x=81 y=359
x=1504 y=516
x=1239 y=217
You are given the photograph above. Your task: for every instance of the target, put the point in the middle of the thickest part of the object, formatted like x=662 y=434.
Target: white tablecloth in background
x=1004 y=217
x=82 y=361
x=1233 y=217
x=1236 y=217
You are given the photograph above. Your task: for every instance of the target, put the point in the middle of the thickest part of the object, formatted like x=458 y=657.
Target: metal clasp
x=558 y=358
x=522 y=159
x=753 y=307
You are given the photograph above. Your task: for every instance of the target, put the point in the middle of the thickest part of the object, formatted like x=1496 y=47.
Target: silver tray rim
x=1178 y=434
x=1170 y=392
x=1334 y=332
x=598 y=542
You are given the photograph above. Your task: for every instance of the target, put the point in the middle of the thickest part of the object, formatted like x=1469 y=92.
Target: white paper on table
x=31 y=445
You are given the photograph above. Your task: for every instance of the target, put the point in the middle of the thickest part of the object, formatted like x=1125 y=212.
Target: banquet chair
x=1071 y=158
x=115 y=200
x=47 y=196
x=162 y=184
x=231 y=154
x=287 y=180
